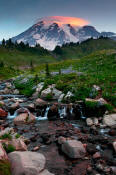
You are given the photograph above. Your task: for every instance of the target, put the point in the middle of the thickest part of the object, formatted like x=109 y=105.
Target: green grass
x=97 y=68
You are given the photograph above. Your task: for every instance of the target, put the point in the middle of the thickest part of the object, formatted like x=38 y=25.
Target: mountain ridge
x=51 y=34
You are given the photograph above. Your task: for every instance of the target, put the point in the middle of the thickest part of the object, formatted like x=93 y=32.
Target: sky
x=18 y=15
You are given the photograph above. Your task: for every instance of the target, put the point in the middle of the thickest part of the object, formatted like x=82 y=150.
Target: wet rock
x=31 y=107
x=97 y=155
x=73 y=149
x=89 y=122
x=24 y=118
x=114 y=145
x=3 y=155
x=110 y=120
x=28 y=163
x=91 y=148
x=14 y=106
x=61 y=140
x=3 y=113
x=53 y=112
x=40 y=102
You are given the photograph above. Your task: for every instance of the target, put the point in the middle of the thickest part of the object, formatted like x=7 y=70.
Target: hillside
x=95 y=69
x=23 y=57
x=74 y=51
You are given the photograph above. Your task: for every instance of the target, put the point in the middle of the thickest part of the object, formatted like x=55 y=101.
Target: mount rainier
x=57 y=30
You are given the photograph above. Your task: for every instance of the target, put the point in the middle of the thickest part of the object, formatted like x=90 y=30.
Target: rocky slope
x=59 y=137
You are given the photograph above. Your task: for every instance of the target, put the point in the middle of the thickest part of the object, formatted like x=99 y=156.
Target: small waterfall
x=71 y=110
x=45 y=115
x=17 y=112
x=12 y=116
x=81 y=112
x=62 y=112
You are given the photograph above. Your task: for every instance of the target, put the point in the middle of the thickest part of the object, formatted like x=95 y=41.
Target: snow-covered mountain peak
x=57 y=30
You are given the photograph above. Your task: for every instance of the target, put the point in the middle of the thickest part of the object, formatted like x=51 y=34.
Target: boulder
x=92 y=121
x=61 y=98
x=89 y=122
x=40 y=102
x=6 y=131
x=110 y=120
x=28 y=163
x=14 y=106
x=51 y=90
x=24 y=118
x=16 y=92
x=114 y=145
x=45 y=172
x=45 y=92
x=40 y=87
x=68 y=95
x=53 y=112
x=100 y=101
x=8 y=85
x=3 y=113
x=73 y=149
x=61 y=140
x=95 y=121
x=18 y=144
x=3 y=155
x=2 y=103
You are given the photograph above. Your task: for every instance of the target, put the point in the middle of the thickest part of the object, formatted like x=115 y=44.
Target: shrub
x=49 y=96
x=6 y=136
x=8 y=148
x=17 y=136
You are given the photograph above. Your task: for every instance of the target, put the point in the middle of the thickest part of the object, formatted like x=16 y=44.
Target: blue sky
x=18 y=15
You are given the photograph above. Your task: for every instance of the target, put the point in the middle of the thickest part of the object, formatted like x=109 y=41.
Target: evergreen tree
x=47 y=70
x=3 y=42
x=1 y=64
x=31 y=65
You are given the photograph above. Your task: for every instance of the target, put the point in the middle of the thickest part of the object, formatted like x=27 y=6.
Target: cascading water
x=17 y=112
x=45 y=115
x=62 y=112
x=81 y=112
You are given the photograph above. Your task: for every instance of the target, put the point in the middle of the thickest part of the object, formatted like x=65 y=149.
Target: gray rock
x=28 y=163
x=110 y=120
x=73 y=149
x=89 y=122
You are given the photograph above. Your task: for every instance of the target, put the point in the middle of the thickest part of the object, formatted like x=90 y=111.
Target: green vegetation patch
x=5 y=167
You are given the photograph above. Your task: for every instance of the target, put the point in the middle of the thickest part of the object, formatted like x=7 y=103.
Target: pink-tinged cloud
x=61 y=20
